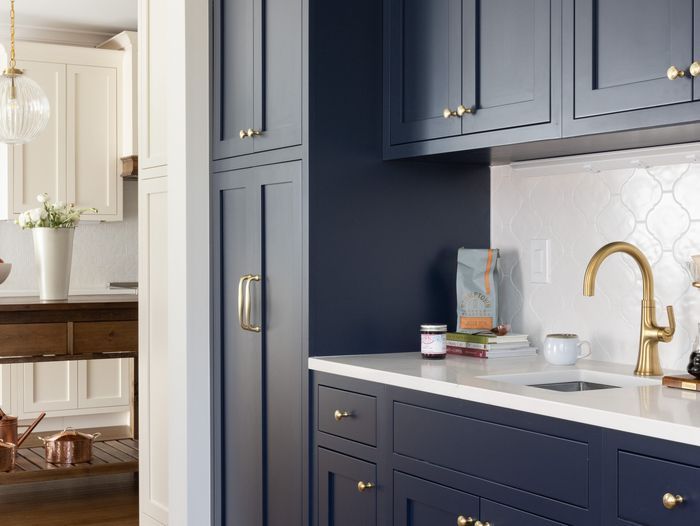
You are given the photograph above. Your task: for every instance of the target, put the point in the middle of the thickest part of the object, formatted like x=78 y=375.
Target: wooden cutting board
x=685 y=381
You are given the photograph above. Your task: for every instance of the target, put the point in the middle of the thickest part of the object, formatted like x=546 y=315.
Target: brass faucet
x=650 y=333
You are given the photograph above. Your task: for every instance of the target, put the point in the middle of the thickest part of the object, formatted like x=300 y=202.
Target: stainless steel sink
x=572 y=387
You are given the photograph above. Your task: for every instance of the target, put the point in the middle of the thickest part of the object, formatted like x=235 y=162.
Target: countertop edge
x=617 y=421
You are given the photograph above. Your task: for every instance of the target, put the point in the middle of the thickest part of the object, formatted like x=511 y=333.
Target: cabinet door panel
x=91 y=114
x=425 y=68
x=501 y=515
x=232 y=76
x=339 y=501
x=49 y=386
x=238 y=358
x=278 y=83
x=506 y=73
x=622 y=49
x=281 y=319
x=40 y=165
x=421 y=503
x=103 y=383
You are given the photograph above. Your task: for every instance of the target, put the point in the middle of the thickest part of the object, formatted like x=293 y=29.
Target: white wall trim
x=597 y=162
x=52 y=35
x=189 y=324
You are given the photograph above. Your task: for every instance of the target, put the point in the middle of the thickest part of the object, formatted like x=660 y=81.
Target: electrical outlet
x=539 y=261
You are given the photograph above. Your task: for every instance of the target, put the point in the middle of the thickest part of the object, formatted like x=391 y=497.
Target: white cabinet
x=76 y=159
x=70 y=388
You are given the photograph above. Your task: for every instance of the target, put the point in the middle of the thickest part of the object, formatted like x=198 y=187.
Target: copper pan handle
x=28 y=431
x=95 y=436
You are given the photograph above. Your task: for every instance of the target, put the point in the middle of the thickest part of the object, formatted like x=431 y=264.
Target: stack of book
x=489 y=345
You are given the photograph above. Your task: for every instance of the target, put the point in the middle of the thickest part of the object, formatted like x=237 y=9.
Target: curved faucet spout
x=613 y=248
x=650 y=333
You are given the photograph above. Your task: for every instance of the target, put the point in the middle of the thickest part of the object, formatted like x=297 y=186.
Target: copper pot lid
x=70 y=435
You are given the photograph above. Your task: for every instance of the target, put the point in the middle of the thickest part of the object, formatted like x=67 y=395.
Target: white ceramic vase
x=53 y=252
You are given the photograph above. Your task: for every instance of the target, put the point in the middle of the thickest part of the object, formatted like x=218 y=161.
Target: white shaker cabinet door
x=40 y=165
x=91 y=135
x=50 y=386
x=5 y=388
x=103 y=383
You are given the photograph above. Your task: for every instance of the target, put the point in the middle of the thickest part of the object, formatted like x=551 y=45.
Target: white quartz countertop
x=651 y=410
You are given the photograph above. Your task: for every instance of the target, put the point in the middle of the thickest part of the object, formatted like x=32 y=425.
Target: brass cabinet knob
x=465 y=521
x=673 y=73
x=479 y=523
x=461 y=110
x=243 y=134
x=364 y=486
x=694 y=68
x=252 y=133
x=339 y=415
x=671 y=501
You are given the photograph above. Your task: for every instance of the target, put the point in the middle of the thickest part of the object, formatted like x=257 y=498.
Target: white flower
x=36 y=214
x=23 y=219
x=42 y=198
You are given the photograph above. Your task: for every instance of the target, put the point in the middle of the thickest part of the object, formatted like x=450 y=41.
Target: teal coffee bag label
x=477 y=290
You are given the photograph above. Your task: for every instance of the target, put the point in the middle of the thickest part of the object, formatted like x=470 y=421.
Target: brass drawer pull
x=339 y=415
x=674 y=73
x=461 y=110
x=465 y=521
x=247 y=303
x=670 y=500
x=363 y=486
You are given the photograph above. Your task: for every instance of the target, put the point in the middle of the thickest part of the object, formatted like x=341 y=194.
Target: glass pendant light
x=24 y=108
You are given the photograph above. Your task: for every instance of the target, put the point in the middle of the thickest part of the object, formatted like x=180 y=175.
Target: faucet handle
x=666 y=333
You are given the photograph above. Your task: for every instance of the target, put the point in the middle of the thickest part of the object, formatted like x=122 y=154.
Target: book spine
x=472 y=338
x=462 y=351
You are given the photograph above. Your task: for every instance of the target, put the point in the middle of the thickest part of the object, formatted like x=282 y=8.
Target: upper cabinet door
x=278 y=75
x=622 y=51
x=233 y=77
x=91 y=135
x=425 y=68
x=507 y=59
x=40 y=165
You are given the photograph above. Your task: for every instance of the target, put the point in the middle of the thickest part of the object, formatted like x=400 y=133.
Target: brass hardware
x=363 y=486
x=671 y=501
x=247 y=305
x=339 y=415
x=694 y=68
x=479 y=523
x=650 y=332
x=465 y=521
x=243 y=134
x=673 y=73
x=696 y=284
x=253 y=133
x=461 y=110
x=240 y=300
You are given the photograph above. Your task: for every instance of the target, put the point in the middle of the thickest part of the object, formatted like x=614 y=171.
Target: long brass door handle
x=248 y=303
x=241 y=282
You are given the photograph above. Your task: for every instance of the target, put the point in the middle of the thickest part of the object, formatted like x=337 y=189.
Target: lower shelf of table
x=108 y=457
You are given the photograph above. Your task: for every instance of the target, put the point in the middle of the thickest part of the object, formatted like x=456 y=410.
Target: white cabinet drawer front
x=103 y=383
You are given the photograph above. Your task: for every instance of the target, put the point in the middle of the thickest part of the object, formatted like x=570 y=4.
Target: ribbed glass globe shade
x=24 y=111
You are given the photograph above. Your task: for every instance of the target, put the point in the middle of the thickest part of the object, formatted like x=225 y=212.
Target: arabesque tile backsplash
x=656 y=208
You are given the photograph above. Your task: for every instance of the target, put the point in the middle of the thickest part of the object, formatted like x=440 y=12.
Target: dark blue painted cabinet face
x=257 y=381
x=340 y=503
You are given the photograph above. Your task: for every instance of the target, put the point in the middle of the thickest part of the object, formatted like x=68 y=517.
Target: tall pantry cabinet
x=153 y=264
x=318 y=246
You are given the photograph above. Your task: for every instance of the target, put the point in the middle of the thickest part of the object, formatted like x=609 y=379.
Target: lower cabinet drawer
x=500 y=515
x=418 y=502
x=347 y=414
x=105 y=336
x=538 y=463
x=643 y=481
x=24 y=339
x=347 y=490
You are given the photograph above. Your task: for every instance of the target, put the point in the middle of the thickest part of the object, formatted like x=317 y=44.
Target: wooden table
x=79 y=328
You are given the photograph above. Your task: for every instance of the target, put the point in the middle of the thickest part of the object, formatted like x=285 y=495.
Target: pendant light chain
x=13 y=63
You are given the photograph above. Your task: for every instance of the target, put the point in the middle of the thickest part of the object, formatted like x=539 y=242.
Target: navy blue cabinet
x=258 y=356
x=256 y=76
x=617 y=59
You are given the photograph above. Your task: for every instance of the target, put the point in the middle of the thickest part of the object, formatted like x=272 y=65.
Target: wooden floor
x=89 y=501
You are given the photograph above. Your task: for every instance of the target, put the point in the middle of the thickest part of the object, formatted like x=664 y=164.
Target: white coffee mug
x=564 y=349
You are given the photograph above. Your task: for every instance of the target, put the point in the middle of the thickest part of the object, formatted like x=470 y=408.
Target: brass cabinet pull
x=247 y=303
x=253 y=133
x=464 y=521
x=363 y=486
x=670 y=500
x=241 y=282
x=339 y=415
x=694 y=68
x=461 y=110
x=673 y=73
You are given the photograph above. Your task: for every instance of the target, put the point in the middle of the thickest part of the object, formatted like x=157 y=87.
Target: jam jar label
x=433 y=344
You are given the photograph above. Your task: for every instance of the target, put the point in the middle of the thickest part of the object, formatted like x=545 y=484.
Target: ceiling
x=92 y=16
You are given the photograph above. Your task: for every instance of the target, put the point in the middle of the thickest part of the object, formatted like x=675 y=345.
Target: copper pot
x=8 y=450
x=8 y=427
x=69 y=447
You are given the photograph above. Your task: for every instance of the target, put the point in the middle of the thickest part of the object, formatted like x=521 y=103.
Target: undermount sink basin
x=573 y=380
